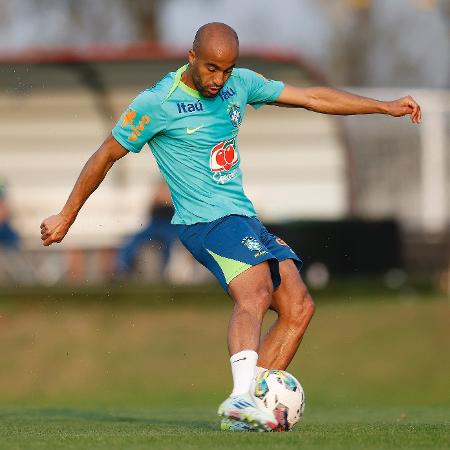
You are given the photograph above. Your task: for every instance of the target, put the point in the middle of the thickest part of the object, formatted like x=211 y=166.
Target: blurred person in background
x=12 y=261
x=191 y=120
x=158 y=228
x=9 y=239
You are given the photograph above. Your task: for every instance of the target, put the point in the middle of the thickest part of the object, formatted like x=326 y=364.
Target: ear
x=191 y=57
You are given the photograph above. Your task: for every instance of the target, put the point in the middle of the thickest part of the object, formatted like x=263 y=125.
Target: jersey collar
x=178 y=83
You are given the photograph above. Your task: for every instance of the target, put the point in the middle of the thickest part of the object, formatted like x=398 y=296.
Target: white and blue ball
x=280 y=393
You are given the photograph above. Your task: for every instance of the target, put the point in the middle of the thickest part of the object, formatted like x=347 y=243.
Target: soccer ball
x=280 y=393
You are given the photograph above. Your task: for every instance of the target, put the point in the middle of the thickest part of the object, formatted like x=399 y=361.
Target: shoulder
x=248 y=74
x=243 y=74
x=248 y=78
x=155 y=95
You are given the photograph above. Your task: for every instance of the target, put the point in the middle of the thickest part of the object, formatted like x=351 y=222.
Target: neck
x=186 y=78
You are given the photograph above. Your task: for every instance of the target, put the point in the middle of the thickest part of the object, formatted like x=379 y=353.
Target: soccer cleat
x=228 y=424
x=242 y=408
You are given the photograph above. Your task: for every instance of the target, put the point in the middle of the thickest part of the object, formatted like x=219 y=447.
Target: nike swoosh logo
x=193 y=130
x=242 y=359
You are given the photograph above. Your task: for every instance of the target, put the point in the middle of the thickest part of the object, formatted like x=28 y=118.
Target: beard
x=202 y=88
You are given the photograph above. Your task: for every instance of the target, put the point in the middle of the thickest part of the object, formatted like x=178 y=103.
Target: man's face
x=211 y=70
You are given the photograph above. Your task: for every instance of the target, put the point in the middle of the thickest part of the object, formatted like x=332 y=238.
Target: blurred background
x=365 y=200
x=355 y=195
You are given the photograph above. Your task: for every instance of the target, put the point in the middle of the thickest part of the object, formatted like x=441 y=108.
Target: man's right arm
x=54 y=228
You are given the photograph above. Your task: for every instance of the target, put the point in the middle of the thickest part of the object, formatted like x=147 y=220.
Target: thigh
x=279 y=248
x=228 y=247
x=253 y=282
x=292 y=293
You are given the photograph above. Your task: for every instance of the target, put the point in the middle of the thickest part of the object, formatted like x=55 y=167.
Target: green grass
x=195 y=428
x=128 y=368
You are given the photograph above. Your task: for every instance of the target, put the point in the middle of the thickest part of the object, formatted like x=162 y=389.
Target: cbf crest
x=254 y=245
x=234 y=112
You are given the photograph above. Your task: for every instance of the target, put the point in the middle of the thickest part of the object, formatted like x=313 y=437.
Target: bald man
x=191 y=119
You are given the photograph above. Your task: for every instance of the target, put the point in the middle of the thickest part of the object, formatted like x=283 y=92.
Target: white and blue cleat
x=240 y=413
x=228 y=424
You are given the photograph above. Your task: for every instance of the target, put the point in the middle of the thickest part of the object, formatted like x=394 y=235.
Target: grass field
x=128 y=368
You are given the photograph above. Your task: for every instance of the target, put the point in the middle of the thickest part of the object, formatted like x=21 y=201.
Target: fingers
x=416 y=113
x=54 y=229
x=44 y=231
x=47 y=237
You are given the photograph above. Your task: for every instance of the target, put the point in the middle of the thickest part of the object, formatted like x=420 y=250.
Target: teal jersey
x=194 y=140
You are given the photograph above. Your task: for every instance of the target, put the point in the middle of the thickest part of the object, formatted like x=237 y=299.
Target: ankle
x=258 y=370
x=243 y=366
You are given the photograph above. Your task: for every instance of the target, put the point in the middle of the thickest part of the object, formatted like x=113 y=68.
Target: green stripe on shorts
x=230 y=267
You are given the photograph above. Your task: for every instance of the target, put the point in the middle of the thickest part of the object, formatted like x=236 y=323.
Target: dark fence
x=346 y=247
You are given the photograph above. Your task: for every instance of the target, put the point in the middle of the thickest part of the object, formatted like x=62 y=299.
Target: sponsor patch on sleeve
x=135 y=124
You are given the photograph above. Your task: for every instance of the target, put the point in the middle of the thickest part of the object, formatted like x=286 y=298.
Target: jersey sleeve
x=260 y=90
x=142 y=120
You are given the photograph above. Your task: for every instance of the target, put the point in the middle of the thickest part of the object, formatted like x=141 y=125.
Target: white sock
x=243 y=369
x=258 y=370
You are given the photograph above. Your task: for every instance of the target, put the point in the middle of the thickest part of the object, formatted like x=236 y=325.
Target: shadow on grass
x=157 y=418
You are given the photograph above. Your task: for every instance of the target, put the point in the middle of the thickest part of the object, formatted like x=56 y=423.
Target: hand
x=54 y=228
x=405 y=106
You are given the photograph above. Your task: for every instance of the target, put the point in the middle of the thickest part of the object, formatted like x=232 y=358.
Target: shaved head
x=215 y=34
x=212 y=58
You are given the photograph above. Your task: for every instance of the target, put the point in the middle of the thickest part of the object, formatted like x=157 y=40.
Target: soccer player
x=191 y=119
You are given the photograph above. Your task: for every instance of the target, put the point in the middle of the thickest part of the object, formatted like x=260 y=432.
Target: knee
x=309 y=305
x=258 y=300
x=263 y=296
x=301 y=310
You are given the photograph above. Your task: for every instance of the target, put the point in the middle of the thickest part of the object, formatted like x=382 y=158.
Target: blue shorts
x=230 y=245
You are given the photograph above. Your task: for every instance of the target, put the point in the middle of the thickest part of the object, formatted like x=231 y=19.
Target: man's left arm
x=333 y=101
